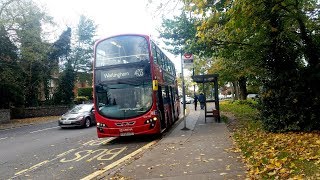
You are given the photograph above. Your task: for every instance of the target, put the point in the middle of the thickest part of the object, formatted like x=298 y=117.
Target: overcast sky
x=111 y=16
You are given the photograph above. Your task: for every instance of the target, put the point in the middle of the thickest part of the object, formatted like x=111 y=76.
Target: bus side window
x=154 y=53
x=170 y=67
x=165 y=67
x=164 y=96
x=159 y=57
x=167 y=62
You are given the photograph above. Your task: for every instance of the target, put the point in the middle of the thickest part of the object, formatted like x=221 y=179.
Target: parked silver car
x=189 y=100
x=81 y=115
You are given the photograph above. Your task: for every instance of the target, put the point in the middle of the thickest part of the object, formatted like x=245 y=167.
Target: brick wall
x=17 y=113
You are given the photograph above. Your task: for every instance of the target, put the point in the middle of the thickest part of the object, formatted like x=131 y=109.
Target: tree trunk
x=243 y=88
x=232 y=90
x=235 y=86
x=311 y=50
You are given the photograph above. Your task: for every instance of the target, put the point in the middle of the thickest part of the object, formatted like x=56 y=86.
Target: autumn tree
x=199 y=34
x=10 y=73
x=82 y=49
x=271 y=41
x=22 y=20
x=75 y=52
x=33 y=50
x=178 y=33
x=61 y=53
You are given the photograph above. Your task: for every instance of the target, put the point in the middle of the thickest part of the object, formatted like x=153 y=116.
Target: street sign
x=187 y=58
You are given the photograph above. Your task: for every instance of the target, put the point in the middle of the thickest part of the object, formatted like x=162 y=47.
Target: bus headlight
x=99 y=125
x=151 y=121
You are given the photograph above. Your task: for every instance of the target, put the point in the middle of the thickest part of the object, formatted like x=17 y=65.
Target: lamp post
x=183 y=97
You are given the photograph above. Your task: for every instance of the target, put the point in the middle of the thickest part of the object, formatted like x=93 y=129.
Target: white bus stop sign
x=187 y=59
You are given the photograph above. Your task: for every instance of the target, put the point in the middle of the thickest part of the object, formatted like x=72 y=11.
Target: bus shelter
x=209 y=79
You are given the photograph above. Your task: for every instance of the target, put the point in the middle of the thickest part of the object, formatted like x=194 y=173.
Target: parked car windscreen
x=81 y=108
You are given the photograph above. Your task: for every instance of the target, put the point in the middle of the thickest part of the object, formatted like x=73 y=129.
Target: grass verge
x=291 y=155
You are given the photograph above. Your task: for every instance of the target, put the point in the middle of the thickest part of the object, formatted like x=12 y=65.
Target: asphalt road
x=45 y=151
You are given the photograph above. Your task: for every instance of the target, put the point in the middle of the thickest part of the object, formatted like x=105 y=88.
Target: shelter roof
x=205 y=78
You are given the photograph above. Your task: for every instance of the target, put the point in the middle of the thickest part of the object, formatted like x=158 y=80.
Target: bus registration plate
x=126 y=134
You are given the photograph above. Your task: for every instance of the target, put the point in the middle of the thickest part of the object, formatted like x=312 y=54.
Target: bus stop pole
x=183 y=96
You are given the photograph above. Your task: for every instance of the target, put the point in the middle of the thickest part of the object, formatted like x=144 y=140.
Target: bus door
x=167 y=106
x=161 y=108
x=172 y=101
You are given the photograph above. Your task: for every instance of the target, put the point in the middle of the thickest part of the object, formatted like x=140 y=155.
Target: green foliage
x=290 y=100
x=61 y=48
x=82 y=53
x=22 y=19
x=77 y=58
x=241 y=109
x=86 y=30
x=25 y=79
x=249 y=102
x=290 y=106
x=86 y=92
x=81 y=99
x=271 y=44
x=64 y=94
x=10 y=73
x=85 y=77
x=253 y=89
x=178 y=33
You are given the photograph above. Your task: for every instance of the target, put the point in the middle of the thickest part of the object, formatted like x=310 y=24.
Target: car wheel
x=87 y=123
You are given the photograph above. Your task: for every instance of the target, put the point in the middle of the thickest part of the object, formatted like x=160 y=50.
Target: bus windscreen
x=122 y=101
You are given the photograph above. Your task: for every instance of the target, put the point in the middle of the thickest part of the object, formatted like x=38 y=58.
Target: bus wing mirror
x=155 y=85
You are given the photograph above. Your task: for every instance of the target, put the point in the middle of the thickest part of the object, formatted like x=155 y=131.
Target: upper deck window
x=121 y=50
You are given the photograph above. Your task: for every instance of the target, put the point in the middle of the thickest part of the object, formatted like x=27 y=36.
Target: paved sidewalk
x=199 y=153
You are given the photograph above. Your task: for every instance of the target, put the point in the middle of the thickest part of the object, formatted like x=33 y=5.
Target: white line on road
x=46 y=162
x=3 y=138
x=44 y=129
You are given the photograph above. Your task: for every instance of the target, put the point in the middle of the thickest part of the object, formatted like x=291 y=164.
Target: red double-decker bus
x=135 y=87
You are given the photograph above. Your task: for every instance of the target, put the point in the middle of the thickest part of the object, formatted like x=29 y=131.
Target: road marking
x=97 y=142
x=65 y=153
x=4 y=138
x=44 y=129
x=116 y=163
x=56 y=158
x=32 y=168
x=98 y=154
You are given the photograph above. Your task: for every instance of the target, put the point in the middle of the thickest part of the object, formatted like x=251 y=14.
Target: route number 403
x=138 y=72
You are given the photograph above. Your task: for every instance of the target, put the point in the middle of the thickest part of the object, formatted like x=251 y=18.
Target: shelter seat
x=213 y=113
